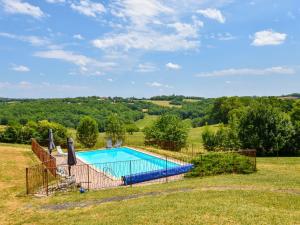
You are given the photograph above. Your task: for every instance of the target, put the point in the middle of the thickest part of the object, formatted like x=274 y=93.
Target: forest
x=269 y=124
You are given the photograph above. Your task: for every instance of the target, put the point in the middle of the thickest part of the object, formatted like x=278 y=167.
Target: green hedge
x=220 y=163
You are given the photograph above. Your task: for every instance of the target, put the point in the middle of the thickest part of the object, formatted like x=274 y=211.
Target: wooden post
x=27 y=186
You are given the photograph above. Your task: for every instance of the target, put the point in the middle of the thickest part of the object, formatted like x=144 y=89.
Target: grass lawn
x=270 y=196
x=146 y=121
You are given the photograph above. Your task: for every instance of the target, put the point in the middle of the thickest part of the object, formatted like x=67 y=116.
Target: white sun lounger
x=60 y=151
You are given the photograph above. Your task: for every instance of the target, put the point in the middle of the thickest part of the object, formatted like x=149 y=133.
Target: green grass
x=269 y=196
x=163 y=103
x=147 y=121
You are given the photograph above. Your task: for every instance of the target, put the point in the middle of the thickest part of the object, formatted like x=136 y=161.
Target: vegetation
x=168 y=132
x=114 y=128
x=269 y=196
x=22 y=134
x=87 y=132
x=221 y=163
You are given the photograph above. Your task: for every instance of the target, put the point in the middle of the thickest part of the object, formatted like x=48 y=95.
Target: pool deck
x=91 y=178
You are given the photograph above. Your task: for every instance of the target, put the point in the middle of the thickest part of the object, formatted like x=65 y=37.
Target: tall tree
x=265 y=128
x=114 y=128
x=168 y=132
x=87 y=131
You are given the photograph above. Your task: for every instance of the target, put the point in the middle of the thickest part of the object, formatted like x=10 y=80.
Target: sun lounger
x=60 y=151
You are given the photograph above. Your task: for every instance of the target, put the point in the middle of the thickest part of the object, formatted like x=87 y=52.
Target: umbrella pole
x=69 y=170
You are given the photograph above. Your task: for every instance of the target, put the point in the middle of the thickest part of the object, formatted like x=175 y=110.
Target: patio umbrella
x=71 y=154
x=51 y=145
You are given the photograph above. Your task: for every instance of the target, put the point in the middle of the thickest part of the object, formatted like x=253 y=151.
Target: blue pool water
x=118 y=162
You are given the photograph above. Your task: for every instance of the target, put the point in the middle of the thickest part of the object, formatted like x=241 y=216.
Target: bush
x=23 y=134
x=168 y=132
x=220 y=163
x=265 y=128
x=87 y=132
x=131 y=128
x=224 y=139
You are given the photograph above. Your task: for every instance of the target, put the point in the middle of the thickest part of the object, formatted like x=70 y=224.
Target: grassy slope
x=148 y=120
x=163 y=103
x=270 y=196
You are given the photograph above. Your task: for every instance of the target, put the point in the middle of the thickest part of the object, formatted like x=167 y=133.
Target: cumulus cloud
x=213 y=14
x=88 y=8
x=249 y=72
x=86 y=64
x=268 y=37
x=146 y=41
x=140 y=12
x=146 y=68
x=158 y=85
x=173 y=66
x=20 y=68
x=20 y=7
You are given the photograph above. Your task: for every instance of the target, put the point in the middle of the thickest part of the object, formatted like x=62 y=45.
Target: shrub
x=220 y=163
x=87 y=132
x=168 y=132
x=265 y=128
x=131 y=128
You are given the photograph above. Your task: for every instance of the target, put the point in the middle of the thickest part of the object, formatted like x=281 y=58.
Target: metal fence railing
x=159 y=169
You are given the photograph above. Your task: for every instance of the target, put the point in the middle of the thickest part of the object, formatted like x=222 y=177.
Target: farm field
x=269 y=196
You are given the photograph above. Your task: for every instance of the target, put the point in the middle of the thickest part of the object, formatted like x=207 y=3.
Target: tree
x=87 y=132
x=168 y=132
x=131 y=128
x=265 y=128
x=114 y=128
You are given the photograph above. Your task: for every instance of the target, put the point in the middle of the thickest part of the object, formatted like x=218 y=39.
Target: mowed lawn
x=270 y=196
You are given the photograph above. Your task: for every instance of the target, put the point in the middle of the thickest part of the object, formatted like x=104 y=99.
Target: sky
x=143 y=48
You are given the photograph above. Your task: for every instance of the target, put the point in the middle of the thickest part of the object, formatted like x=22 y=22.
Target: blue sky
x=209 y=48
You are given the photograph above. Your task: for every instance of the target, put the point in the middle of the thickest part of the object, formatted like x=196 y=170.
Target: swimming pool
x=120 y=162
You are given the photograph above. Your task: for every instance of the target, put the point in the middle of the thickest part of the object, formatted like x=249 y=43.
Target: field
x=163 y=103
x=270 y=196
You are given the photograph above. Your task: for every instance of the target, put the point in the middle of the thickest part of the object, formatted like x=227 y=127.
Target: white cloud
x=158 y=85
x=20 y=7
x=109 y=79
x=55 y=1
x=33 y=40
x=268 y=37
x=146 y=68
x=140 y=12
x=146 y=41
x=222 y=36
x=185 y=30
x=86 y=64
x=213 y=14
x=78 y=36
x=20 y=68
x=173 y=66
x=88 y=8
x=155 y=84
x=249 y=71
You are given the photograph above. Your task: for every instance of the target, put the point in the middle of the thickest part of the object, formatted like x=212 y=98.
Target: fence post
x=130 y=173
x=27 y=186
x=166 y=169
x=46 y=181
x=88 y=176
